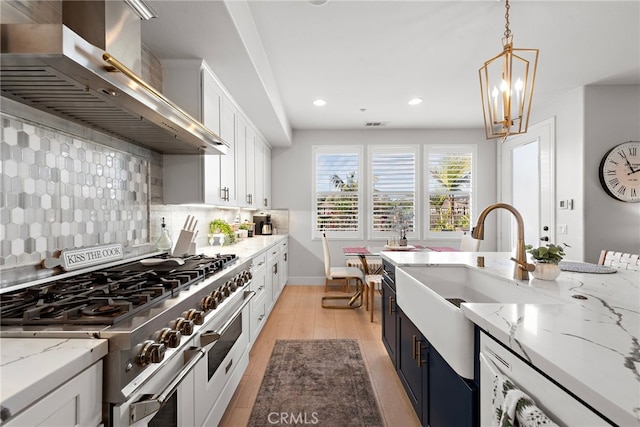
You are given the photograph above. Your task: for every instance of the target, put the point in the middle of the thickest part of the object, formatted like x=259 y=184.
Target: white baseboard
x=306 y=280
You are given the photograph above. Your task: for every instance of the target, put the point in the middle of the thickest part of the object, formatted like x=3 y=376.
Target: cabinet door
x=250 y=141
x=75 y=403
x=259 y=174
x=228 y=161
x=211 y=101
x=241 y=162
x=267 y=176
x=452 y=400
x=389 y=323
x=412 y=361
x=284 y=268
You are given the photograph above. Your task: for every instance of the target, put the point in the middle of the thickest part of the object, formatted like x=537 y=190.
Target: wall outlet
x=562 y=229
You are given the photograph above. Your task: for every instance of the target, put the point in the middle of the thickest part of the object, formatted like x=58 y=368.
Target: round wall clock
x=620 y=172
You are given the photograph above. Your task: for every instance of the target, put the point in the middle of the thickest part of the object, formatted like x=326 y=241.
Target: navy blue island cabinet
x=440 y=397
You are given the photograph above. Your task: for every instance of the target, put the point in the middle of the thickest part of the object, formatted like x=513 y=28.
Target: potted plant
x=220 y=229
x=546 y=259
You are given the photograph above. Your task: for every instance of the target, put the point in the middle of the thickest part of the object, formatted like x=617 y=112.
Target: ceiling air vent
x=376 y=124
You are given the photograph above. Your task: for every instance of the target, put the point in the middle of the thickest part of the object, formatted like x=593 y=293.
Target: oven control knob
x=225 y=289
x=207 y=302
x=213 y=300
x=169 y=337
x=151 y=352
x=218 y=295
x=248 y=275
x=184 y=326
x=197 y=316
x=235 y=283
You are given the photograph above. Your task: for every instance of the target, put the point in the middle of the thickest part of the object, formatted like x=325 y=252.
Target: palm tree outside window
x=449 y=184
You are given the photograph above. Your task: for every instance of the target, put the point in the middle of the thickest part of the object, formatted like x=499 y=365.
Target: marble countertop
x=30 y=368
x=245 y=248
x=590 y=346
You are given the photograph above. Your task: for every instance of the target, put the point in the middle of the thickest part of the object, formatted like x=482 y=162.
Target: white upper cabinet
x=200 y=178
x=242 y=177
x=267 y=176
x=246 y=164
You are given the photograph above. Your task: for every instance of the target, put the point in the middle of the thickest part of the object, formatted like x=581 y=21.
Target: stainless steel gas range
x=177 y=331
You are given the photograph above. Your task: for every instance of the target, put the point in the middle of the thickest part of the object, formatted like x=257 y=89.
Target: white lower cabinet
x=273 y=273
x=78 y=402
x=259 y=304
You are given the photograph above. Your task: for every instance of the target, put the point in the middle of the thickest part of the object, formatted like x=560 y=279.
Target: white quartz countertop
x=245 y=248
x=590 y=346
x=30 y=368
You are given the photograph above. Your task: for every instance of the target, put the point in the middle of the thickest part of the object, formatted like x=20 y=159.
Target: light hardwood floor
x=298 y=315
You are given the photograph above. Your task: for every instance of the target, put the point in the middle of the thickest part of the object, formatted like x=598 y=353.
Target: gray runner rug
x=316 y=383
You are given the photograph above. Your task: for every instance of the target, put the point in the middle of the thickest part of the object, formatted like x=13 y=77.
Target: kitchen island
x=588 y=343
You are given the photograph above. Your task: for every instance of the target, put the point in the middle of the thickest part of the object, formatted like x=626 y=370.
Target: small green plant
x=219 y=226
x=246 y=226
x=548 y=254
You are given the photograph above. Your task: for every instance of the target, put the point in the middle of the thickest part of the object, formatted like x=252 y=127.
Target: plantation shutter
x=393 y=191
x=337 y=195
x=450 y=188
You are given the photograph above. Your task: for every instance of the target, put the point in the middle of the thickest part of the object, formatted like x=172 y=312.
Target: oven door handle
x=209 y=337
x=144 y=408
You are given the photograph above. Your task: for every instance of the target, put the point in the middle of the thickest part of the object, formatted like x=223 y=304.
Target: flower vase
x=546 y=271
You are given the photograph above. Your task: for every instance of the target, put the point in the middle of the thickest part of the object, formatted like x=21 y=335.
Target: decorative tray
x=399 y=248
x=584 y=267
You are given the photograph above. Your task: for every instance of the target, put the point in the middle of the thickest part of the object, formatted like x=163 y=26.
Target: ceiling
x=368 y=58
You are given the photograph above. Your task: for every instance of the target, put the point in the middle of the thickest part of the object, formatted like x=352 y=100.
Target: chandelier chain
x=507 y=31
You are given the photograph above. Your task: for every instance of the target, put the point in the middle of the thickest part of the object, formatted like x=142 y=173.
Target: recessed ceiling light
x=318 y=2
x=319 y=102
x=415 y=101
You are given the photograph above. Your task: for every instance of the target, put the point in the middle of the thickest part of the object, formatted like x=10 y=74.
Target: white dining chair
x=342 y=275
x=620 y=260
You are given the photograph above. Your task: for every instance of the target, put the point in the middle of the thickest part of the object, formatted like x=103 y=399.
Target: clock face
x=620 y=172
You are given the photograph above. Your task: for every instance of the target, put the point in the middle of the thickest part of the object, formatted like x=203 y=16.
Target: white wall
x=612 y=116
x=292 y=188
x=589 y=121
x=569 y=112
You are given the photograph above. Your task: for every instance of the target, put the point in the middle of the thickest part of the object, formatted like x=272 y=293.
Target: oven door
x=164 y=400
x=218 y=373
x=179 y=400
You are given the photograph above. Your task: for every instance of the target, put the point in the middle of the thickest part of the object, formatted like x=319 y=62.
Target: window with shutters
x=392 y=195
x=449 y=188
x=337 y=196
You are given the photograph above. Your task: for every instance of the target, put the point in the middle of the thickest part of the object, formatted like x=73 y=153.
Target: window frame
x=447 y=148
x=393 y=149
x=337 y=150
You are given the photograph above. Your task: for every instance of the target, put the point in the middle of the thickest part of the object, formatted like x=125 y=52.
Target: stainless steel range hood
x=51 y=68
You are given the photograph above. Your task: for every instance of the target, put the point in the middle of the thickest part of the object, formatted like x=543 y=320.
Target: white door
x=527 y=182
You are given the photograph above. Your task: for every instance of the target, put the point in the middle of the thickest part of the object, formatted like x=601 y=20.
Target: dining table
x=373 y=276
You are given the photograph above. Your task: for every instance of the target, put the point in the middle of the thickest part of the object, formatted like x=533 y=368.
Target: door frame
x=545 y=133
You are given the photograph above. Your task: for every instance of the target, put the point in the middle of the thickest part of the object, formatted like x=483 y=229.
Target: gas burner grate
x=106 y=296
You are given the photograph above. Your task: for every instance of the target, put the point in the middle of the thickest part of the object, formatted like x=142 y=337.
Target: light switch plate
x=562 y=229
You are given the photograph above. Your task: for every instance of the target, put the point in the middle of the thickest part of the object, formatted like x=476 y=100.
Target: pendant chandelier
x=506 y=85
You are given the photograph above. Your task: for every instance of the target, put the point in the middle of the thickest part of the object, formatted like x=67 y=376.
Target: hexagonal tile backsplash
x=60 y=191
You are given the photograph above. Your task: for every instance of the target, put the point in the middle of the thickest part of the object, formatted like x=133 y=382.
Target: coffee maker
x=263 y=225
